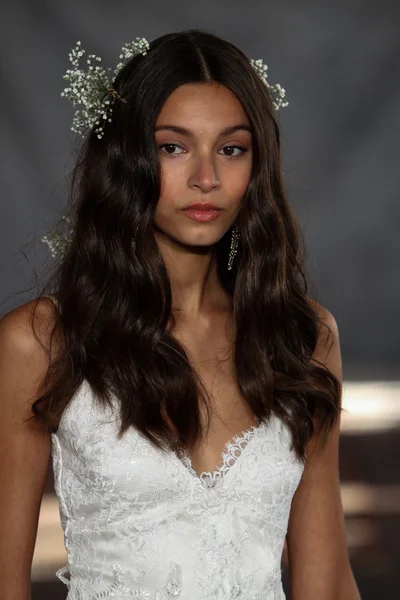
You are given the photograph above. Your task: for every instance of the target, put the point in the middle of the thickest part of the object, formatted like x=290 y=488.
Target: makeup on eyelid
x=243 y=149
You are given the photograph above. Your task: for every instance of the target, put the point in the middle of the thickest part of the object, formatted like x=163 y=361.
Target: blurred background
x=339 y=65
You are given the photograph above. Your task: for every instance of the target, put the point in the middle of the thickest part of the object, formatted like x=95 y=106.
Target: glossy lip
x=201 y=206
x=202 y=215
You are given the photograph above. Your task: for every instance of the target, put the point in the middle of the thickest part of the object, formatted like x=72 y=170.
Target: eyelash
x=242 y=148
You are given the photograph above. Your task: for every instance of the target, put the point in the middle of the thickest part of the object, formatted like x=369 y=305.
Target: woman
x=187 y=388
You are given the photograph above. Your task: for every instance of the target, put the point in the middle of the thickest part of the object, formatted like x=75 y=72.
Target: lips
x=201 y=206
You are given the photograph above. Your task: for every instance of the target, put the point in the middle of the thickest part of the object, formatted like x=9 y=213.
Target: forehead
x=203 y=102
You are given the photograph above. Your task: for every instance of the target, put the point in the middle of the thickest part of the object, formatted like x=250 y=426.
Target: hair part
x=115 y=304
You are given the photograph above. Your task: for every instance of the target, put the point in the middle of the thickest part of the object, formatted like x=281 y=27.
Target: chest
x=211 y=352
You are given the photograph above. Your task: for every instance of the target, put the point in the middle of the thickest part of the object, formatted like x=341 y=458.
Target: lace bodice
x=140 y=523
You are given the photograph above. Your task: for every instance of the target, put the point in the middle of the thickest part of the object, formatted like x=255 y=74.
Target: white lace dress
x=141 y=524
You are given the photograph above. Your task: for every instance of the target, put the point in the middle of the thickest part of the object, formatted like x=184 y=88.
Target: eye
x=169 y=146
x=241 y=148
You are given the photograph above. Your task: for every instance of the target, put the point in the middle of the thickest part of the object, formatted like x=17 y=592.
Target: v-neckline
x=210 y=479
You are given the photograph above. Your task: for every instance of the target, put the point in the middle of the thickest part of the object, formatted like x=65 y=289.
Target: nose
x=204 y=175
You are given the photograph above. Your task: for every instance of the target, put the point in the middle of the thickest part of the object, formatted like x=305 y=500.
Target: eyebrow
x=188 y=133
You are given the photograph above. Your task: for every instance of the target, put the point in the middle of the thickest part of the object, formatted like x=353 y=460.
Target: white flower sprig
x=277 y=92
x=91 y=86
x=58 y=242
x=140 y=46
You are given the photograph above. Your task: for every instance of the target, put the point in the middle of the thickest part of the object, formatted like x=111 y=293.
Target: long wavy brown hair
x=115 y=301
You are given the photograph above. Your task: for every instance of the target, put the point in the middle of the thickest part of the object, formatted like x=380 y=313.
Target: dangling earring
x=235 y=237
x=234 y=245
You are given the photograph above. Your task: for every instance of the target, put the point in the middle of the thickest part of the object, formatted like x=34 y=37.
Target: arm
x=319 y=565
x=24 y=450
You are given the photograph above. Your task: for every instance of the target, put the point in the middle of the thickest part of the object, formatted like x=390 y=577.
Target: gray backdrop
x=339 y=64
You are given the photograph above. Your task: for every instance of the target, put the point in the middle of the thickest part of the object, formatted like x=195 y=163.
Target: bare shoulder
x=25 y=444
x=16 y=326
x=328 y=332
x=323 y=313
x=317 y=547
x=25 y=348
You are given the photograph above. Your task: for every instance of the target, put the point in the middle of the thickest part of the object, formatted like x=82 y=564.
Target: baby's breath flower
x=140 y=46
x=58 y=242
x=90 y=82
x=277 y=92
x=91 y=87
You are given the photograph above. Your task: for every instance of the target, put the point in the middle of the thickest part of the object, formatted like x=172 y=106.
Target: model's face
x=205 y=164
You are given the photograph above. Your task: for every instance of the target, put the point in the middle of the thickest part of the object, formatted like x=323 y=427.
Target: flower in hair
x=58 y=241
x=91 y=86
x=277 y=92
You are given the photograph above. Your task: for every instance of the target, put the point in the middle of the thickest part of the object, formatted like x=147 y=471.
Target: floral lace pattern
x=140 y=523
x=231 y=452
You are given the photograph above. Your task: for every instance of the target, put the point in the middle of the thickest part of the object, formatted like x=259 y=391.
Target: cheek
x=173 y=181
x=236 y=182
x=172 y=196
